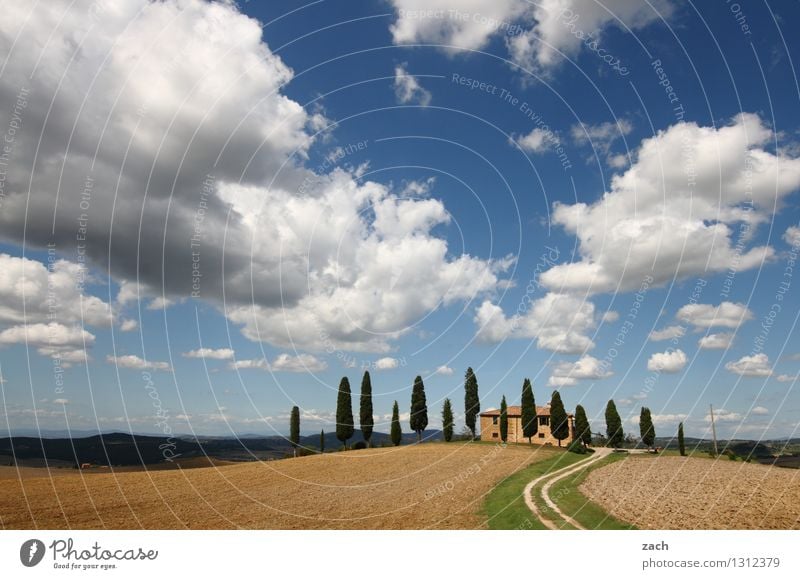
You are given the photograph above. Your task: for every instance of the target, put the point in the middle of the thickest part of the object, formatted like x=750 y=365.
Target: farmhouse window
x=541 y=435
x=494 y=435
x=494 y=419
x=544 y=421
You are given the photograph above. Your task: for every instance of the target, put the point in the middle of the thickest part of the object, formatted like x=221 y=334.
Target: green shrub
x=577 y=447
x=360 y=445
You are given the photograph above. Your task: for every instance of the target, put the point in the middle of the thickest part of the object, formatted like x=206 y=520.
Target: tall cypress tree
x=530 y=424
x=582 y=430
x=294 y=428
x=447 y=420
x=396 y=432
x=559 y=422
x=646 y=428
x=419 y=408
x=344 y=413
x=472 y=403
x=681 y=444
x=614 y=426
x=321 y=441
x=366 y=419
x=503 y=420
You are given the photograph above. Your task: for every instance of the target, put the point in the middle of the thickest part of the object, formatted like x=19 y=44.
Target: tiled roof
x=517 y=411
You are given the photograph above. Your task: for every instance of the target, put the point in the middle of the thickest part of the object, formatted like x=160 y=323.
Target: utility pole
x=713 y=430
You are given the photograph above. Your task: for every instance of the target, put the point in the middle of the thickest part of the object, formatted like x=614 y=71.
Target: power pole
x=713 y=430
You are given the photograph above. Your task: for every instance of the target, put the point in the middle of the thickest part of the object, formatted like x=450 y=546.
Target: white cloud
x=128 y=325
x=659 y=222
x=558 y=322
x=716 y=341
x=30 y=293
x=671 y=361
x=211 y=353
x=283 y=363
x=760 y=411
x=792 y=236
x=668 y=333
x=386 y=363
x=601 y=137
x=662 y=419
x=586 y=368
x=751 y=366
x=611 y=316
x=722 y=415
x=67 y=344
x=407 y=88
x=536 y=34
x=725 y=315
x=537 y=141
x=133 y=362
x=299 y=363
x=444 y=370
x=62 y=401
x=786 y=378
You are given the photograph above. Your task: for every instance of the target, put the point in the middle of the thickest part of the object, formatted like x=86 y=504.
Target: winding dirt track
x=416 y=487
x=670 y=492
x=554 y=477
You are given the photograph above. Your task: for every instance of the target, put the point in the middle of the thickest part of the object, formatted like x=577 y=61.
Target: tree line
x=418 y=417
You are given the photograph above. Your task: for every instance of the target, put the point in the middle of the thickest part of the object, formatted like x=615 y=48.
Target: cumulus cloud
x=792 y=236
x=211 y=353
x=671 y=361
x=668 y=333
x=601 y=137
x=716 y=341
x=661 y=223
x=725 y=315
x=786 y=378
x=537 y=35
x=407 y=88
x=133 y=362
x=756 y=366
x=283 y=363
x=66 y=344
x=128 y=325
x=586 y=368
x=537 y=141
x=192 y=134
x=444 y=370
x=386 y=363
x=662 y=419
x=558 y=322
x=760 y=411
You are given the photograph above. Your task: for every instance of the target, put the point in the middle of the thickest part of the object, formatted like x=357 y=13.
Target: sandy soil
x=671 y=492
x=415 y=487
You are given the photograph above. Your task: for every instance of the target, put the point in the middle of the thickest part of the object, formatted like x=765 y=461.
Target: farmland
x=671 y=492
x=409 y=487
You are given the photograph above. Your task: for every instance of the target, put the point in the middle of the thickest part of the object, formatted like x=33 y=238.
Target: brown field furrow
x=694 y=493
x=415 y=487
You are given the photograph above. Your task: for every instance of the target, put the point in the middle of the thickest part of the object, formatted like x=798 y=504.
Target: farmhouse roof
x=517 y=411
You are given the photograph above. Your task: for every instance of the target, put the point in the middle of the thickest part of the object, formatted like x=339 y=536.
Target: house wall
x=491 y=432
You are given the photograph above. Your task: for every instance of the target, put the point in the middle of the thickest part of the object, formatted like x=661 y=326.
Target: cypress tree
x=294 y=428
x=681 y=444
x=366 y=419
x=419 y=408
x=321 y=441
x=472 y=404
x=559 y=422
x=530 y=425
x=614 y=426
x=447 y=420
x=396 y=433
x=582 y=430
x=646 y=428
x=344 y=413
x=503 y=420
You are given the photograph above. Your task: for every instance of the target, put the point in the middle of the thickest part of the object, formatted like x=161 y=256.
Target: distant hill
x=121 y=449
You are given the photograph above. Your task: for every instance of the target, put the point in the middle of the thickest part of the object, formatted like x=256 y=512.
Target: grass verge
x=505 y=506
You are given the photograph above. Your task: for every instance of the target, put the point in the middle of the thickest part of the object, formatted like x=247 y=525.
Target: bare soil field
x=413 y=487
x=671 y=492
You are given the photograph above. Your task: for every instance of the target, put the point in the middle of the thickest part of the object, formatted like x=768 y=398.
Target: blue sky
x=371 y=186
